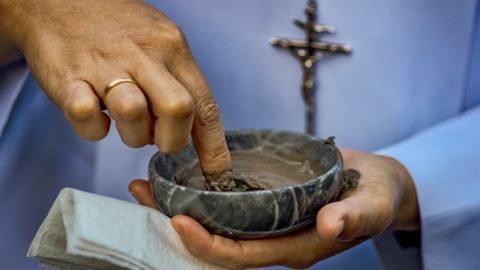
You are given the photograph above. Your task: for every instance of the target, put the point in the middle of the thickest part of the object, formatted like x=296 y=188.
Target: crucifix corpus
x=310 y=51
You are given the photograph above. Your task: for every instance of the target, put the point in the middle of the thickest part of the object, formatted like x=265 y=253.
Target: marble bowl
x=252 y=214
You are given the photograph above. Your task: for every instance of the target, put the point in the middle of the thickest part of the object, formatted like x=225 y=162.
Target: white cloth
x=88 y=231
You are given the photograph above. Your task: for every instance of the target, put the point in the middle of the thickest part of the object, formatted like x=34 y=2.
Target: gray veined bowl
x=252 y=214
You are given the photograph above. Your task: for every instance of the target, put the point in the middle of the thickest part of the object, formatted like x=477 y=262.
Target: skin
x=385 y=200
x=76 y=48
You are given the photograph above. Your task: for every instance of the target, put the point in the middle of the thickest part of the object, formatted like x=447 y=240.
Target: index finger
x=207 y=133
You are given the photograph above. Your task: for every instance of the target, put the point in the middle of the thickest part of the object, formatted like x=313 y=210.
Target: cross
x=310 y=51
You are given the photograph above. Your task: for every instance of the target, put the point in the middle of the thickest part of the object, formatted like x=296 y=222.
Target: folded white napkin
x=88 y=231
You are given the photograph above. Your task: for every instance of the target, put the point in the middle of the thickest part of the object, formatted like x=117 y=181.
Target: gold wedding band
x=116 y=82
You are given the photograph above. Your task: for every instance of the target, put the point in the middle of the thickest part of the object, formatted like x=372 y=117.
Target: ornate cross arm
x=317 y=45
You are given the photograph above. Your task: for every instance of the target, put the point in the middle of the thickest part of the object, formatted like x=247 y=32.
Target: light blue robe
x=410 y=89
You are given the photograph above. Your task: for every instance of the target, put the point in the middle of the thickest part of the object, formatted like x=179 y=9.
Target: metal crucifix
x=309 y=52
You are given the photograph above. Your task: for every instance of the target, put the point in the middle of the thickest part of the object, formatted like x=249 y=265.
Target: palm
x=368 y=210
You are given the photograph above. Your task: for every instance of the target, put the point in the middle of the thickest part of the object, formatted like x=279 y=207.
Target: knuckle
x=175 y=34
x=172 y=38
x=132 y=109
x=81 y=109
x=179 y=106
x=208 y=112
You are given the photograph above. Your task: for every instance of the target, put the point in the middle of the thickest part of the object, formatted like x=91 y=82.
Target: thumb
x=331 y=220
x=362 y=213
x=140 y=190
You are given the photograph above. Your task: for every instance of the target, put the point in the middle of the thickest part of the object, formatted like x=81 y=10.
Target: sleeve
x=12 y=78
x=444 y=162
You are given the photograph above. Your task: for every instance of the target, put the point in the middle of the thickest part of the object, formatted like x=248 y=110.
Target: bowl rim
x=154 y=175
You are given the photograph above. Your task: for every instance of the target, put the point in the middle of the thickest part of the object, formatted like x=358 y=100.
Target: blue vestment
x=410 y=89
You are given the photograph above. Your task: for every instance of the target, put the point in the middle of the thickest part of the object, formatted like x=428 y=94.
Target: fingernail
x=341 y=226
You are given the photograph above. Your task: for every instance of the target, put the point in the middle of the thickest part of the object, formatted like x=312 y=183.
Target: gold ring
x=115 y=83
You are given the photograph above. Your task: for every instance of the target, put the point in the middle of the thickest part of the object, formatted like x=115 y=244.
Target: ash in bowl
x=253 y=170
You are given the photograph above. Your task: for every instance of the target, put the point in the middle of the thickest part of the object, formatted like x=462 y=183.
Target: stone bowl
x=252 y=214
